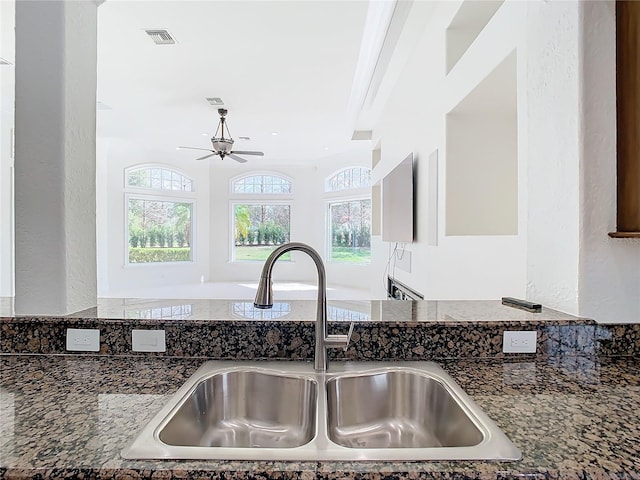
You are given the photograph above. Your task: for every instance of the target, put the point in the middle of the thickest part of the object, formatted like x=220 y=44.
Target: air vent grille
x=215 y=101
x=161 y=37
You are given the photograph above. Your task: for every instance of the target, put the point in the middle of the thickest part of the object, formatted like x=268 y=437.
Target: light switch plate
x=519 y=342
x=83 y=339
x=148 y=341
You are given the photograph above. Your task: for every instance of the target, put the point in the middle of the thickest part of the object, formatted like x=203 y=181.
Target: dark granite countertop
x=195 y=310
x=69 y=416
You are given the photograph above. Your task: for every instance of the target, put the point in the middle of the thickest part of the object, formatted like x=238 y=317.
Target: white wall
x=609 y=268
x=553 y=104
x=308 y=223
x=459 y=267
x=116 y=277
x=357 y=276
x=573 y=264
x=465 y=27
x=55 y=132
x=213 y=220
x=7 y=101
x=561 y=256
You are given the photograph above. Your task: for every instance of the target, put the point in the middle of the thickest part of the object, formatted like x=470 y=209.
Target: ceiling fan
x=222 y=146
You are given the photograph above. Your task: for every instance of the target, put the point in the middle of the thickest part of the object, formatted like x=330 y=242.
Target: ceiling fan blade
x=196 y=148
x=236 y=158
x=206 y=156
x=244 y=152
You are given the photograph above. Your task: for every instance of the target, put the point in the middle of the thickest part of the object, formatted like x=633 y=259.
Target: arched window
x=261 y=212
x=160 y=203
x=348 y=179
x=268 y=184
x=158 y=178
x=349 y=215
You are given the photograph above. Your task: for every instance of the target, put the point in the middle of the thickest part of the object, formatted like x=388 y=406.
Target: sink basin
x=287 y=411
x=397 y=409
x=246 y=409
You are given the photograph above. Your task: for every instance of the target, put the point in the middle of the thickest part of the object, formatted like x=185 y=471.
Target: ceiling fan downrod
x=221 y=144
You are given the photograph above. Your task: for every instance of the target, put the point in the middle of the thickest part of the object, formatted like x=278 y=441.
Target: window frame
x=261 y=198
x=328 y=233
x=328 y=179
x=158 y=195
x=260 y=173
x=129 y=169
x=344 y=195
x=232 y=219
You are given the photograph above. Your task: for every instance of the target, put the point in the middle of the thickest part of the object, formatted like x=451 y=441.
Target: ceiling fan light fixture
x=222 y=144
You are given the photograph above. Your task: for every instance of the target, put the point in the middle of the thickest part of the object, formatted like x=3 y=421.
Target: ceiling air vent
x=161 y=37
x=215 y=101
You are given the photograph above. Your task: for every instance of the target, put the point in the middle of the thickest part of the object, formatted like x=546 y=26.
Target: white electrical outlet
x=148 y=341
x=519 y=342
x=83 y=339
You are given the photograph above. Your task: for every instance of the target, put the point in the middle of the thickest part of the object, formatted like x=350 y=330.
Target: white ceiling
x=285 y=67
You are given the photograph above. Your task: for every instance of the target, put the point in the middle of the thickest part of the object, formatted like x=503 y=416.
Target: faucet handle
x=339 y=341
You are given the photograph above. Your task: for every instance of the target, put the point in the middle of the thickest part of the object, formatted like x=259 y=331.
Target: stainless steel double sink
x=287 y=411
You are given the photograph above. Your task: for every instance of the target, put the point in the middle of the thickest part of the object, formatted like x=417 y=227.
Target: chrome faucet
x=264 y=299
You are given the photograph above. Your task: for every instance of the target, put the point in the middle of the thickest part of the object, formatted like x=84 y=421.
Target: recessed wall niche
x=482 y=157
x=470 y=19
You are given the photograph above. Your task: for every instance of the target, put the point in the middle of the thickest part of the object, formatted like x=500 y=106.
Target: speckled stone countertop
x=384 y=330
x=450 y=311
x=447 y=311
x=69 y=416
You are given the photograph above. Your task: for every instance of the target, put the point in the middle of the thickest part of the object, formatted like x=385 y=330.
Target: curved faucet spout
x=264 y=299
x=264 y=296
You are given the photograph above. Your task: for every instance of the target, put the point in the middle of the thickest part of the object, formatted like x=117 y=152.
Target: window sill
x=349 y=264
x=158 y=264
x=624 y=234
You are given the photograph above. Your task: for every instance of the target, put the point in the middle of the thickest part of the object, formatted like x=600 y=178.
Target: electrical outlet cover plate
x=83 y=339
x=148 y=341
x=519 y=342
